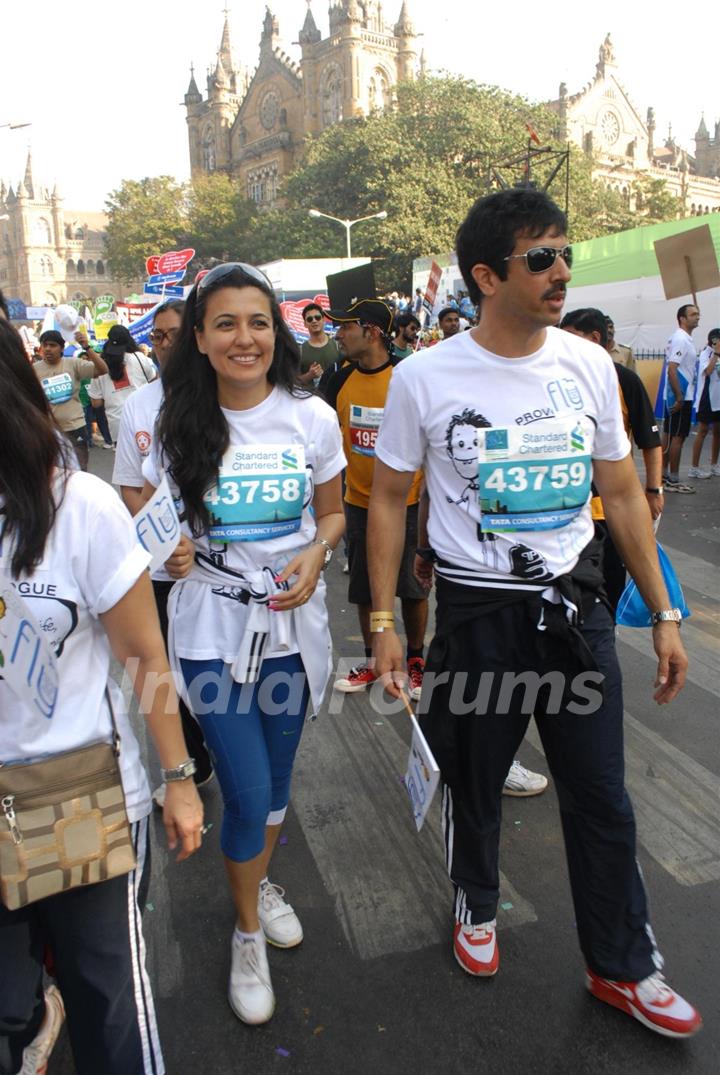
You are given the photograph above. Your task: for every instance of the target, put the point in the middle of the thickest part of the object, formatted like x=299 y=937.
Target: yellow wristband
x=381 y=620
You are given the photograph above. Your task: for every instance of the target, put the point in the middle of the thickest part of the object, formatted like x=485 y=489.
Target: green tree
x=145 y=216
x=219 y=219
x=654 y=202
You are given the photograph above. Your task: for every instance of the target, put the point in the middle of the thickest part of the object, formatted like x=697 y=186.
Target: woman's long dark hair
x=192 y=428
x=30 y=450
x=118 y=337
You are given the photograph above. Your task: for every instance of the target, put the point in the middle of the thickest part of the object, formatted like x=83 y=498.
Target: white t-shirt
x=139 y=371
x=680 y=351
x=714 y=393
x=134 y=441
x=279 y=451
x=92 y=559
x=507 y=448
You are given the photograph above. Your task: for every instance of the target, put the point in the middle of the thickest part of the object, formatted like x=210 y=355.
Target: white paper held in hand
x=422 y=776
x=157 y=525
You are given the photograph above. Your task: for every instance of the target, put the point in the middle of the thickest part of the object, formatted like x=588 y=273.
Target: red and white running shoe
x=652 y=1002
x=357 y=679
x=416 y=670
x=476 y=949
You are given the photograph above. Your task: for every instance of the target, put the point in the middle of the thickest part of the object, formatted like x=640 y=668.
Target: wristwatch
x=180 y=772
x=328 y=550
x=657 y=491
x=667 y=615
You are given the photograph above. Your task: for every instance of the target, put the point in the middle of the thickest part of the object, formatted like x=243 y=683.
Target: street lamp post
x=347 y=224
x=15 y=126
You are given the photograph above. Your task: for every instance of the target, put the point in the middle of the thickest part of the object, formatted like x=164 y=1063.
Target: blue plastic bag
x=632 y=610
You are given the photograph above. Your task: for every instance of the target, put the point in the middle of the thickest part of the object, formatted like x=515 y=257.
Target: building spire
x=225 y=50
x=404 y=26
x=28 y=177
x=309 y=33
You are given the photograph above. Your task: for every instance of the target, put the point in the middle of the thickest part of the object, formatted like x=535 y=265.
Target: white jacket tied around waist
x=304 y=628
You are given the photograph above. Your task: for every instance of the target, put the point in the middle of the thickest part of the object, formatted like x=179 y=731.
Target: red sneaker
x=476 y=949
x=357 y=679
x=652 y=1002
x=416 y=669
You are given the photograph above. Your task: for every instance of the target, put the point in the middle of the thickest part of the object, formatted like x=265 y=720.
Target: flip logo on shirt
x=564 y=394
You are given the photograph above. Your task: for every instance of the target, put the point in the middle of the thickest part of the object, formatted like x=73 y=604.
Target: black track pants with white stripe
x=95 y=936
x=585 y=756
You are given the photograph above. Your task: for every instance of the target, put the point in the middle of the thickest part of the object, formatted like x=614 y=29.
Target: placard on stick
x=351 y=284
x=688 y=263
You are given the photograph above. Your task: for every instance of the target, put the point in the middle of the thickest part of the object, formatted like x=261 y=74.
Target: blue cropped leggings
x=252 y=731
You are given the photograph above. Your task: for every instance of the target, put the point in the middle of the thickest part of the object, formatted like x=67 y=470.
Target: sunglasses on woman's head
x=219 y=272
x=541 y=258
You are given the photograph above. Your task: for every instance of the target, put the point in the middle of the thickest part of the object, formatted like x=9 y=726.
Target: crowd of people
x=495 y=465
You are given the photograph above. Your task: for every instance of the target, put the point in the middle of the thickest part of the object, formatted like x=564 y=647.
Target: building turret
x=193 y=95
x=270 y=38
x=309 y=35
x=28 y=177
x=407 y=47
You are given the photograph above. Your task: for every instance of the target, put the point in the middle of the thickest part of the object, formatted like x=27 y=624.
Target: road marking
x=389 y=884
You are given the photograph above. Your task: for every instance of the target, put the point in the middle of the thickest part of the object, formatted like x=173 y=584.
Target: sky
x=103 y=86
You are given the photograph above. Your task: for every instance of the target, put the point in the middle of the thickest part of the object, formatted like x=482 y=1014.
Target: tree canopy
x=447 y=142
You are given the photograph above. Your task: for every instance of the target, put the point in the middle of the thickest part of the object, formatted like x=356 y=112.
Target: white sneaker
x=250 y=992
x=697 y=472
x=521 y=782
x=715 y=470
x=280 y=924
x=36 y=1054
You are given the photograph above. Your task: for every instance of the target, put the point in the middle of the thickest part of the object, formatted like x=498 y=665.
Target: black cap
x=370 y=311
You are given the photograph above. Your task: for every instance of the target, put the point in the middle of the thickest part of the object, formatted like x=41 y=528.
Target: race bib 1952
x=364 y=425
x=58 y=389
x=536 y=480
x=259 y=493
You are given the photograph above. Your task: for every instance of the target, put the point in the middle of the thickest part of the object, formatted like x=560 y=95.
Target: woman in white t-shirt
x=256 y=460
x=70 y=555
x=128 y=370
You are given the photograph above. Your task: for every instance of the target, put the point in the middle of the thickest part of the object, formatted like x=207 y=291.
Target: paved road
x=374 y=987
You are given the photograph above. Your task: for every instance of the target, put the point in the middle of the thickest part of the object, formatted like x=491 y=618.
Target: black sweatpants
x=95 y=935
x=585 y=756
x=194 y=738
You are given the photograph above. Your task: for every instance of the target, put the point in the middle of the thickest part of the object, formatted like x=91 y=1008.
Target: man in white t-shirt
x=135 y=440
x=681 y=362
x=511 y=422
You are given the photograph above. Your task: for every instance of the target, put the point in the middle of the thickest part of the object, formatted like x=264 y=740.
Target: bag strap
x=117 y=738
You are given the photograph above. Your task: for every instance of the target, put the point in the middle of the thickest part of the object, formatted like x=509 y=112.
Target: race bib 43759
x=536 y=480
x=259 y=493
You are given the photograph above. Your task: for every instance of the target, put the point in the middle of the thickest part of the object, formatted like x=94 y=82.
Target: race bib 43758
x=536 y=480
x=259 y=493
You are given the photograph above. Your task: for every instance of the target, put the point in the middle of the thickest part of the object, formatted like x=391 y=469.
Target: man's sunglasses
x=542 y=258
x=219 y=272
x=314 y=317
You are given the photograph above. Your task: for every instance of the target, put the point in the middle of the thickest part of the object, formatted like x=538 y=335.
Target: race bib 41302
x=537 y=480
x=58 y=389
x=259 y=493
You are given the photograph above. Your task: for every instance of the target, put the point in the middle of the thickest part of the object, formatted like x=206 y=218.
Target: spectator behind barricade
x=128 y=370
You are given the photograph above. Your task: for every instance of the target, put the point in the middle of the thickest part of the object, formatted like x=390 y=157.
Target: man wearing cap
x=61 y=379
x=358 y=393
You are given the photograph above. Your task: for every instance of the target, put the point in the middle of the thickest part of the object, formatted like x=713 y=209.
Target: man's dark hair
x=447 y=310
x=404 y=319
x=682 y=312
x=587 y=320
x=51 y=335
x=4 y=306
x=488 y=233
x=313 y=306
x=178 y=305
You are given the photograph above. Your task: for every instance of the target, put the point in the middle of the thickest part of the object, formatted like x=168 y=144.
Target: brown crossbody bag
x=63 y=822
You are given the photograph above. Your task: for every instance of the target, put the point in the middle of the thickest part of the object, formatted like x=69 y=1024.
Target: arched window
x=81 y=267
x=90 y=266
x=70 y=268
x=50 y=266
x=208 y=149
x=42 y=236
x=100 y=269
x=379 y=95
x=80 y=232
x=331 y=95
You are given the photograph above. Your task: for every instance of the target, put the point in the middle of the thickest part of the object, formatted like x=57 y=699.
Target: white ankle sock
x=258 y=936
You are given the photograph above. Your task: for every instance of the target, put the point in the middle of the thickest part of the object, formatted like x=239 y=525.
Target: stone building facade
x=603 y=120
x=254 y=126
x=50 y=254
